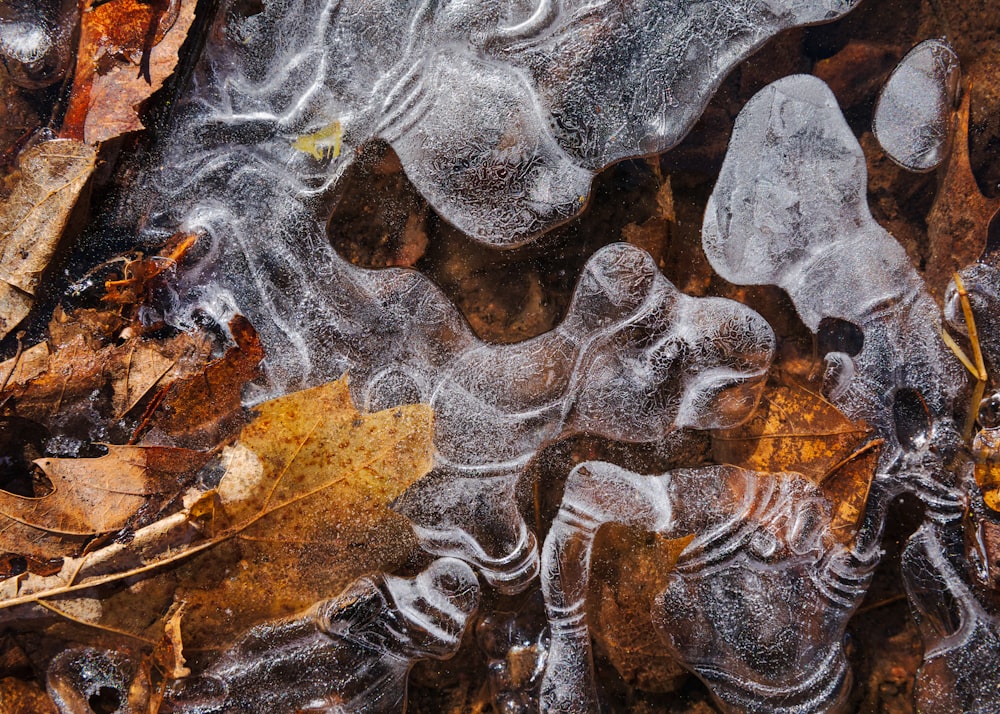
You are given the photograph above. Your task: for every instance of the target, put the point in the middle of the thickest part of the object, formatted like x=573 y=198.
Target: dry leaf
x=128 y=48
x=205 y=409
x=41 y=195
x=960 y=216
x=305 y=506
x=91 y=496
x=47 y=385
x=630 y=569
x=310 y=511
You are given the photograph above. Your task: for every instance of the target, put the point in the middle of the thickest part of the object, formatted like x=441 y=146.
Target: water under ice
x=347 y=655
x=499 y=112
x=35 y=39
x=913 y=117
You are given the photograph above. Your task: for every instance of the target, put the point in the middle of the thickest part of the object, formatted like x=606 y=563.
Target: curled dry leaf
x=128 y=48
x=91 y=496
x=40 y=197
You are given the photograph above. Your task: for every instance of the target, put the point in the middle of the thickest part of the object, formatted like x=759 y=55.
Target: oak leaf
x=303 y=506
x=40 y=197
x=91 y=496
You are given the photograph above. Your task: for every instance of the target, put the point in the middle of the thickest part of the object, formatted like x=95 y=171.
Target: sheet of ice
x=36 y=39
x=347 y=655
x=913 y=116
x=961 y=638
x=500 y=112
x=790 y=209
x=756 y=606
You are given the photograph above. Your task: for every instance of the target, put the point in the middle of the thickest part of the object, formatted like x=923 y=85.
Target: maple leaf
x=127 y=50
x=307 y=494
x=41 y=196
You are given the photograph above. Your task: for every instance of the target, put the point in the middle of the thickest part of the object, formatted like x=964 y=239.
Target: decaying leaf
x=41 y=195
x=303 y=506
x=960 y=216
x=127 y=49
x=796 y=430
x=307 y=493
x=630 y=569
x=91 y=496
x=204 y=409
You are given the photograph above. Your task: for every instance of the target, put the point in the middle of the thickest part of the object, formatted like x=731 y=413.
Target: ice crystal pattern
x=500 y=112
x=913 y=116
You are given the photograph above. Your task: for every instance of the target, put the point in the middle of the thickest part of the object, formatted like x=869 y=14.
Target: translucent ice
x=790 y=209
x=500 y=112
x=913 y=117
x=35 y=39
x=757 y=604
x=633 y=360
x=347 y=655
x=961 y=638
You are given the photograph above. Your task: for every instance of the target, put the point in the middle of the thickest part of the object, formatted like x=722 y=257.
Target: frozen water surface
x=913 y=116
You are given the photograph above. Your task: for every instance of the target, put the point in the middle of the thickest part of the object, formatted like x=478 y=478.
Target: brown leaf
x=90 y=496
x=127 y=49
x=47 y=385
x=205 y=409
x=41 y=195
x=307 y=490
x=793 y=429
x=960 y=216
x=630 y=569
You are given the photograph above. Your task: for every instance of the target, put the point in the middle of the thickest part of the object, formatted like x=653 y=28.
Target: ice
x=500 y=112
x=347 y=655
x=757 y=604
x=790 y=209
x=35 y=39
x=633 y=360
x=961 y=639
x=913 y=117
